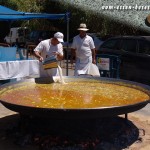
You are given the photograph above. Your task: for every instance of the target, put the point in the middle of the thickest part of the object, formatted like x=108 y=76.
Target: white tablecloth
x=19 y=69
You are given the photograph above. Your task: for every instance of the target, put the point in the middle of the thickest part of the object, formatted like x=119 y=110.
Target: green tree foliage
x=29 y=6
x=95 y=21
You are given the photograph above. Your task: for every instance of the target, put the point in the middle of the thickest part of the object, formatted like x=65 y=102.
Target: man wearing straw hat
x=50 y=48
x=83 y=49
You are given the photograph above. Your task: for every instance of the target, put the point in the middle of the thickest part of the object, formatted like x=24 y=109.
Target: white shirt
x=46 y=48
x=83 y=46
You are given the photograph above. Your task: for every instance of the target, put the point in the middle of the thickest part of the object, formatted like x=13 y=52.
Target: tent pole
x=67 y=43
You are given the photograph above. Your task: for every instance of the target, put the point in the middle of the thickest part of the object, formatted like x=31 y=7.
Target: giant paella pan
x=80 y=97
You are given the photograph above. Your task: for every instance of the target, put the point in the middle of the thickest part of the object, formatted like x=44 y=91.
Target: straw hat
x=147 y=20
x=83 y=27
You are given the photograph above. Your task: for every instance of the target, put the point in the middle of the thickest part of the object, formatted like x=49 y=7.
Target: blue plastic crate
x=109 y=65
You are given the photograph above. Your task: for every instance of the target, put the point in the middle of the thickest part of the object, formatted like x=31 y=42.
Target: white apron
x=82 y=66
x=83 y=47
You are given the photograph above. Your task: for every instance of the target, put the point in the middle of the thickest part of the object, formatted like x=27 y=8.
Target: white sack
x=93 y=70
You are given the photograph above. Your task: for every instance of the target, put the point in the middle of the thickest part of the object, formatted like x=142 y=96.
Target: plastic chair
x=30 y=49
x=109 y=65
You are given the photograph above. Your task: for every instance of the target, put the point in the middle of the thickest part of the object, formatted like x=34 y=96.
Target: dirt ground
x=143 y=124
x=9 y=118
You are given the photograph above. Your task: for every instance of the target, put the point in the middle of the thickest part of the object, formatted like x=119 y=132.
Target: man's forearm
x=93 y=56
x=37 y=55
x=73 y=55
x=59 y=56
